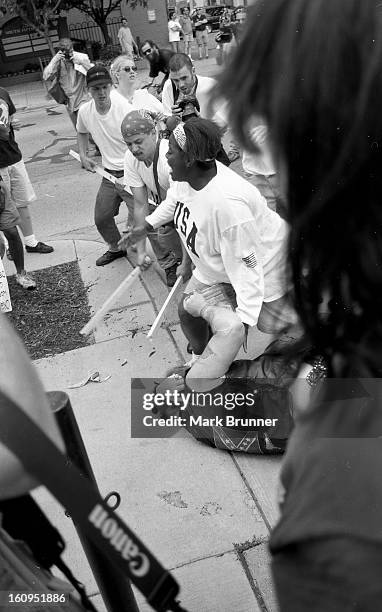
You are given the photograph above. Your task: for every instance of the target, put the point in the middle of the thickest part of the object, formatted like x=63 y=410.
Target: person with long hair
x=312 y=71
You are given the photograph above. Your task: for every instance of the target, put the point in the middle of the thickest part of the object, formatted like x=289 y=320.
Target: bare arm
x=185 y=268
x=83 y=141
x=141 y=210
x=18 y=380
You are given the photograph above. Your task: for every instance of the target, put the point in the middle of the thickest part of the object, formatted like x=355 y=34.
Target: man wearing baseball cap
x=147 y=174
x=102 y=117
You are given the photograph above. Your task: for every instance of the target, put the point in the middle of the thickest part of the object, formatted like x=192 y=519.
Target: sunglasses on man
x=147 y=51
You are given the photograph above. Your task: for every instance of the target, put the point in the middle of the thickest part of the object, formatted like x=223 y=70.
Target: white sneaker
x=25 y=281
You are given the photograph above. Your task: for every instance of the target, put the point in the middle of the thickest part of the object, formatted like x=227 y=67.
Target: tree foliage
x=38 y=14
x=99 y=11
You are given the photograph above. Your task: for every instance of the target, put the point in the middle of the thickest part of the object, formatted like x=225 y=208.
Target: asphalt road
x=65 y=192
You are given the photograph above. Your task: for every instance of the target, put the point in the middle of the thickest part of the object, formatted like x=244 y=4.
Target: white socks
x=30 y=240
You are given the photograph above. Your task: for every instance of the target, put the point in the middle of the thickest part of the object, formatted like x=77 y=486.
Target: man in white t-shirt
x=184 y=84
x=236 y=243
x=147 y=174
x=102 y=117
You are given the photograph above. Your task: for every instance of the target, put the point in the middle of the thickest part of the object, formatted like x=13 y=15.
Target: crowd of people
x=292 y=249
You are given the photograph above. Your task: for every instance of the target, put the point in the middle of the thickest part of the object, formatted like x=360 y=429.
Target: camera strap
x=42 y=459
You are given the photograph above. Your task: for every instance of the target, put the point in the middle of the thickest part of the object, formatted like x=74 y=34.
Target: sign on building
x=19 y=41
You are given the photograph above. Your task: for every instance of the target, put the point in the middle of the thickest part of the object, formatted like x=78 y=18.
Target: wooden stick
x=101 y=171
x=161 y=312
x=108 y=304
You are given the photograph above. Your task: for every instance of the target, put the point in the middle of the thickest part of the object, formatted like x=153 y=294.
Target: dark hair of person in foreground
x=313 y=70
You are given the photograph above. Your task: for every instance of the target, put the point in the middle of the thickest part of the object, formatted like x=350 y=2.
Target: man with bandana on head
x=147 y=174
x=235 y=242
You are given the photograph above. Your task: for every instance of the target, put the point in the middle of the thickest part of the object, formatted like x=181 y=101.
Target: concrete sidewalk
x=206 y=514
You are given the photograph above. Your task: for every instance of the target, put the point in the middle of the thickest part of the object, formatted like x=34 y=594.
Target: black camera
x=188 y=104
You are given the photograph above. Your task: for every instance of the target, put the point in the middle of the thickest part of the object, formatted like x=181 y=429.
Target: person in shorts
x=15 y=176
x=186 y=23
x=200 y=21
x=9 y=219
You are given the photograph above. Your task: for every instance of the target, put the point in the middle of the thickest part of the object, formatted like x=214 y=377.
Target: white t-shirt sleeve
x=154 y=104
x=167 y=97
x=131 y=177
x=244 y=269
x=164 y=213
x=81 y=123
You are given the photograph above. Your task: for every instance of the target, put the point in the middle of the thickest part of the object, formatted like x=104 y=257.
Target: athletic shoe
x=40 y=247
x=171 y=275
x=109 y=256
x=25 y=281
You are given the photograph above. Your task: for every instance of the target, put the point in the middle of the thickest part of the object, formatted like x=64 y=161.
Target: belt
x=114 y=172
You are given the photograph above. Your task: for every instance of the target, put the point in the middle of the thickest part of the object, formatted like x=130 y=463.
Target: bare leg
x=16 y=248
x=25 y=222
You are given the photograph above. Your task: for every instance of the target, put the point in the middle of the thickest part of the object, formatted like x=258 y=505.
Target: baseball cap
x=98 y=75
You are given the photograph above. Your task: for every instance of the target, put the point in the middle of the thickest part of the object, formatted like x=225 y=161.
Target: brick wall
x=140 y=25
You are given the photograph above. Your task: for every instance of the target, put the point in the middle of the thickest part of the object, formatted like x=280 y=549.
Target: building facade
x=21 y=48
